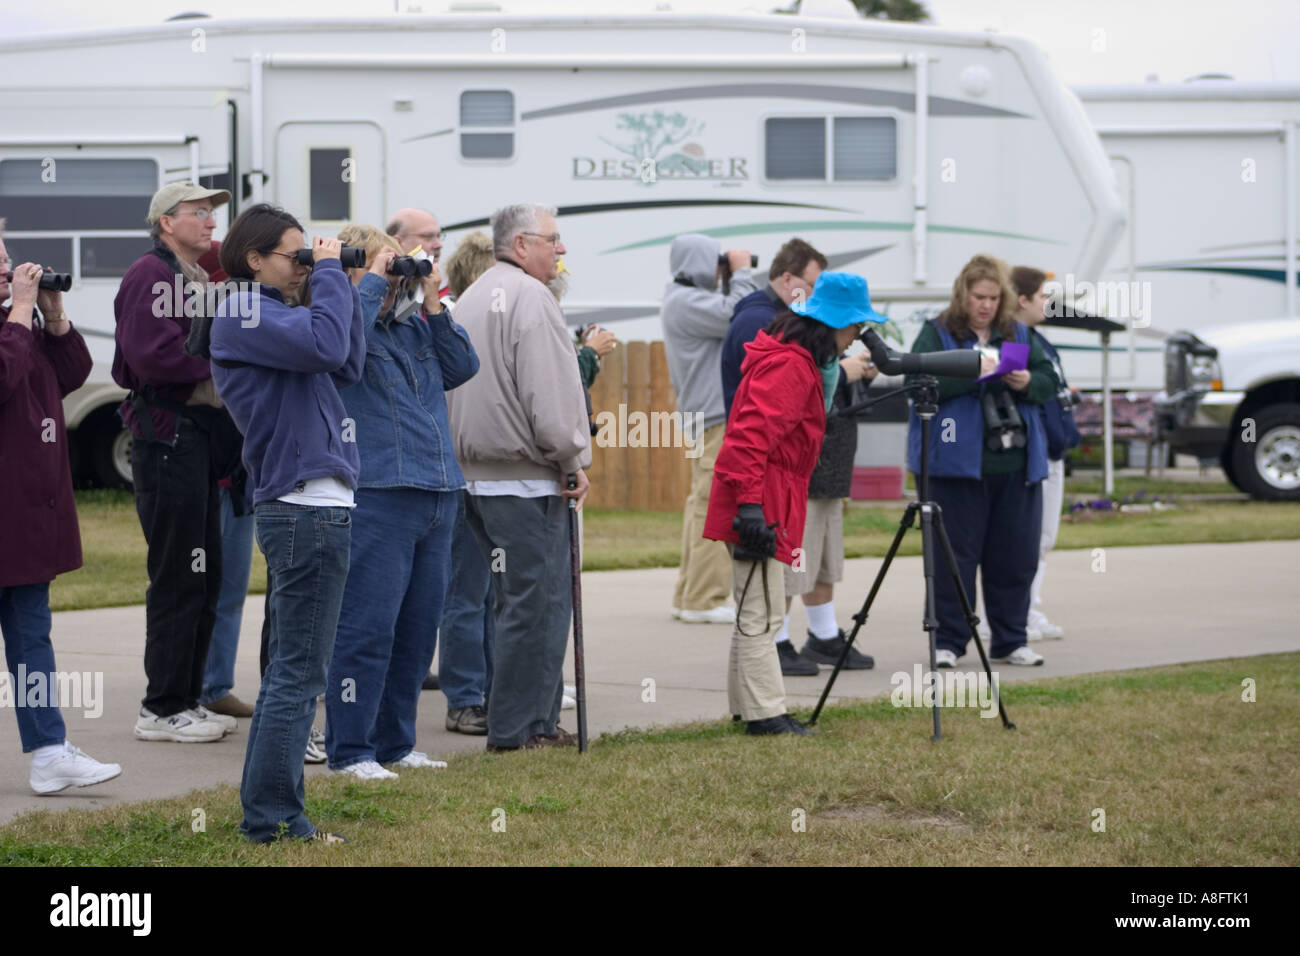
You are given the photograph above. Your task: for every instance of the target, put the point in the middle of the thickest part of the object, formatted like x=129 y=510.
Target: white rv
x=899 y=150
x=1208 y=173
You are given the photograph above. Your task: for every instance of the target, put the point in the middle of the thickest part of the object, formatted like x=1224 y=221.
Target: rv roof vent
x=474 y=6
x=1209 y=76
x=191 y=15
x=836 y=9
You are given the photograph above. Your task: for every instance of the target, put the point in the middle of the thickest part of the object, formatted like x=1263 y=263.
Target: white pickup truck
x=1233 y=393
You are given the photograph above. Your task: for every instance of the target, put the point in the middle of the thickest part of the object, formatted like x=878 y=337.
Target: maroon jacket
x=151 y=347
x=38 y=524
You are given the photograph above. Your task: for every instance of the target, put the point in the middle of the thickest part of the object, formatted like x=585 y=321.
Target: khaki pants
x=704 y=574
x=755 y=689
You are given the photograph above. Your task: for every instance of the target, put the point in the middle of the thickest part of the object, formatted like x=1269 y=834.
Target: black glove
x=757 y=539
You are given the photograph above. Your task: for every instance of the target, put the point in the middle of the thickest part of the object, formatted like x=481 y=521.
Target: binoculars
x=50 y=281
x=410 y=266
x=725 y=262
x=350 y=256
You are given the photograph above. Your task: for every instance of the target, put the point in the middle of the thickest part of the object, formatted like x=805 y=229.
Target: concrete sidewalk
x=1150 y=606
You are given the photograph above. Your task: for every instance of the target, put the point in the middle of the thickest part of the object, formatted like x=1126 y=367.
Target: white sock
x=821 y=620
x=784 y=633
x=43 y=755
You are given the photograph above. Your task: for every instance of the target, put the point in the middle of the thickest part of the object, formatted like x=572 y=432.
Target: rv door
x=331 y=173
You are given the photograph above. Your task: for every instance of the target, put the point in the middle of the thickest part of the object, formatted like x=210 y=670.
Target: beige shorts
x=822 y=559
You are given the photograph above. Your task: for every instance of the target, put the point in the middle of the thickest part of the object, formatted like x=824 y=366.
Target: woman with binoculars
x=407 y=499
x=988 y=458
x=279 y=369
x=41 y=361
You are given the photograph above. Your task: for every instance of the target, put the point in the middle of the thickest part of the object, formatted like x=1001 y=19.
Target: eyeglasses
x=288 y=255
x=553 y=239
x=5 y=262
x=202 y=215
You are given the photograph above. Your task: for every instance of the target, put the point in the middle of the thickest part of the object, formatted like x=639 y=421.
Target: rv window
x=331 y=184
x=795 y=148
x=487 y=108
x=71 y=195
x=55 y=253
x=109 y=258
x=865 y=147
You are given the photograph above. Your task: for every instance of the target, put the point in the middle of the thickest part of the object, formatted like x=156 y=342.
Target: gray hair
x=510 y=221
x=155 y=228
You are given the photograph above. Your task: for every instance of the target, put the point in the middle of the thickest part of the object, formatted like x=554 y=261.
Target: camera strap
x=767 y=599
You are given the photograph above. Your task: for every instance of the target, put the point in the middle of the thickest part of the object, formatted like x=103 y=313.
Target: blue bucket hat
x=839 y=299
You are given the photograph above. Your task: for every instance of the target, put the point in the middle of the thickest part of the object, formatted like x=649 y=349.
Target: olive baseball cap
x=183 y=191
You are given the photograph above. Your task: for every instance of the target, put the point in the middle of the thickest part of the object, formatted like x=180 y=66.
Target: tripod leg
x=859 y=619
x=971 y=619
x=931 y=621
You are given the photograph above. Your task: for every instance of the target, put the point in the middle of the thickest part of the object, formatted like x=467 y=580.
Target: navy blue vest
x=963 y=419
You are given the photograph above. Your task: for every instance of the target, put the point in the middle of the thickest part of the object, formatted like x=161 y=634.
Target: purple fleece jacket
x=285 y=399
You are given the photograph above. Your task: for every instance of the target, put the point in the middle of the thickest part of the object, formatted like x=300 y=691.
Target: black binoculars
x=350 y=256
x=410 y=266
x=725 y=261
x=1003 y=426
x=50 y=281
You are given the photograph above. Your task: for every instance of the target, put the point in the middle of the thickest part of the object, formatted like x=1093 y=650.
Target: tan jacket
x=524 y=414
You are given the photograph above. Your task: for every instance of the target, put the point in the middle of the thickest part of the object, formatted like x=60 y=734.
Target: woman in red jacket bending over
x=760 y=483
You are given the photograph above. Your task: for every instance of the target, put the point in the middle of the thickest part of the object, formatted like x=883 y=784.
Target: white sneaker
x=1022 y=656
x=366 y=770
x=723 y=614
x=417 y=760
x=571 y=690
x=315 y=748
x=184 y=728
x=676 y=613
x=568 y=702
x=226 y=722
x=71 y=768
x=1044 y=631
x=944 y=658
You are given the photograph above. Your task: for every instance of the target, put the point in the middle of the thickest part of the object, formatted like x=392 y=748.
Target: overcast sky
x=1089 y=41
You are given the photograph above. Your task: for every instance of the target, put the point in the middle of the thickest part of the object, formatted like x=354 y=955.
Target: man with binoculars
x=697 y=307
x=184 y=444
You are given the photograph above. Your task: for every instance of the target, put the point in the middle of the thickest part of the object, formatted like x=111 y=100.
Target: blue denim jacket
x=398 y=406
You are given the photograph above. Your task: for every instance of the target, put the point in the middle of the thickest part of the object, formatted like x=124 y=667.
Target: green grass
x=1187 y=773
x=114 y=551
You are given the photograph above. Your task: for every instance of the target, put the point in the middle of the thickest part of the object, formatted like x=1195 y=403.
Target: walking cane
x=579 y=670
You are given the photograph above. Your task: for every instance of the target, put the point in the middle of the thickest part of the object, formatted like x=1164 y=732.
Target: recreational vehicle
x=899 y=150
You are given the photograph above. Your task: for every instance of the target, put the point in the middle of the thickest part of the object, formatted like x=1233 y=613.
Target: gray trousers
x=526 y=544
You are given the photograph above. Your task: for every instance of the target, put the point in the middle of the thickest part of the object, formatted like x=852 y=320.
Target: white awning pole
x=1107 y=426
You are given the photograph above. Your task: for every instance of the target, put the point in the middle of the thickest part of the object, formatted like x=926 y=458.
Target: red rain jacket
x=771 y=445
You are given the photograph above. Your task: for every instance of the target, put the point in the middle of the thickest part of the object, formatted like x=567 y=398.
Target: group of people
x=409 y=477
x=389 y=455
x=763 y=369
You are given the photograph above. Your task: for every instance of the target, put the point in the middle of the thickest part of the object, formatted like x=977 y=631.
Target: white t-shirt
x=330 y=492
x=519 y=487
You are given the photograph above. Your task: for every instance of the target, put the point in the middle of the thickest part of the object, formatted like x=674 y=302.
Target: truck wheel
x=110 y=453
x=1269 y=467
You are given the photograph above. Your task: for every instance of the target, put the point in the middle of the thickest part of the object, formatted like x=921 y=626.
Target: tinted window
x=71 y=195
x=331 y=192
x=487 y=108
x=795 y=148
x=865 y=147
x=109 y=258
x=55 y=253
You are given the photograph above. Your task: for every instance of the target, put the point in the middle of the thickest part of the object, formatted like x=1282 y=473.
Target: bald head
x=417 y=227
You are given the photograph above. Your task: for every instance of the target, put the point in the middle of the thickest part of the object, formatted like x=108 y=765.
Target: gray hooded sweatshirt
x=695 y=319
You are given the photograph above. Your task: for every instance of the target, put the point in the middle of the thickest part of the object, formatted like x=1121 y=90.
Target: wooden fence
x=627 y=470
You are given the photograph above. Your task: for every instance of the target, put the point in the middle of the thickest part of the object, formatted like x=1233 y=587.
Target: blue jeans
x=236 y=560
x=307 y=553
x=25 y=624
x=465 y=637
x=387 y=628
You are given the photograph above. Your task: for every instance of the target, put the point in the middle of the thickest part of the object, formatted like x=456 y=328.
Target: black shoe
x=794 y=664
x=782 y=724
x=470 y=720
x=829 y=651
x=431 y=681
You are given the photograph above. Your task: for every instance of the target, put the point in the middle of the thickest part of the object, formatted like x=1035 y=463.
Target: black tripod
x=925 y=389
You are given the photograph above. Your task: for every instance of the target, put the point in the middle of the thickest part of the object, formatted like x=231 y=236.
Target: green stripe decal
x=822 y=225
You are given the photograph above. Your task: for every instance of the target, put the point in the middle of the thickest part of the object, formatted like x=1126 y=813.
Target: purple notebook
x=1013 y=358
